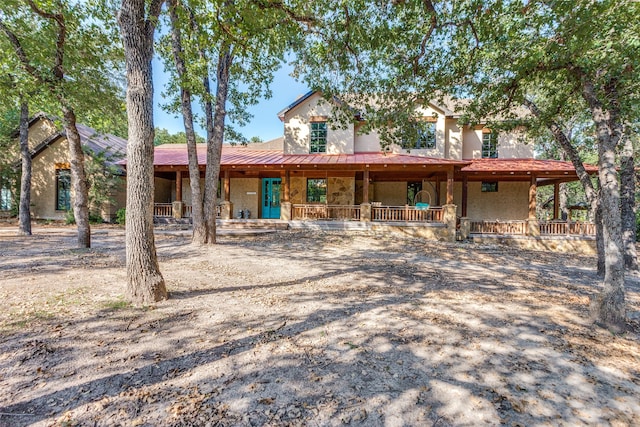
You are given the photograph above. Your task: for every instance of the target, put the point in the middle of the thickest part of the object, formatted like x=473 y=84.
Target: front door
x=271 y=197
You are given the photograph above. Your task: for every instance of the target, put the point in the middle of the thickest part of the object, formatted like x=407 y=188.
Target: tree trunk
x=24 y=215
x=590 y=192
x=145 y=283
x=215 y=136
x=78 y=178
x=197 y=216
x=608 y=308
x=562 y=193
x=628 y=204
x=600 y=266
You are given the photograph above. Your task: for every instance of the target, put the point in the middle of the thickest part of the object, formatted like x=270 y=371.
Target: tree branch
x=58 y=67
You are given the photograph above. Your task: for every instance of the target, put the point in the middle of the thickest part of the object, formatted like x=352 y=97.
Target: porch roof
x=176 y=155
x=523 y=165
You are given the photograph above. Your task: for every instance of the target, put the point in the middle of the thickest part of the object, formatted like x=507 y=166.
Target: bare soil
x=309 y=328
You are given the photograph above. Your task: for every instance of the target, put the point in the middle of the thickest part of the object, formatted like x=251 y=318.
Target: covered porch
x=464 y=198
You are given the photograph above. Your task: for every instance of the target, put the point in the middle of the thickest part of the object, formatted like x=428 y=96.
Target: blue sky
x=265 y=123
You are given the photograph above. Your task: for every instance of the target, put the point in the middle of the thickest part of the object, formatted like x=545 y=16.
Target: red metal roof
x=522 y=165
x=176 y=155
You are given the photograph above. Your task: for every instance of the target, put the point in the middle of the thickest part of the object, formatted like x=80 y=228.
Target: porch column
x=556 y=200
x=227 y=186
x=450 y=186
x=465 y=195
x=365 y=186
x=285 y=203
x=179 y=186
x=437 y=191
x=226 y=207
x=365 y=207
x=177 y=206
x=533 y=227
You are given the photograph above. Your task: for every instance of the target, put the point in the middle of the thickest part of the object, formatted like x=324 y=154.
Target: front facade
x=453 y=176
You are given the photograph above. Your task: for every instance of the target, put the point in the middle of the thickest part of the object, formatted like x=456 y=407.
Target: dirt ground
x=309 y=328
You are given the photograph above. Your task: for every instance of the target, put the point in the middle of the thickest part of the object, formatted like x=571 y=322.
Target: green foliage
x=121 y=216
x=94 y=218
x=103 y=178
x=162 y=136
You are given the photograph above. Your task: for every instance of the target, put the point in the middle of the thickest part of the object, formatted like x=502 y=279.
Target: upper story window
x=63 y=189
x=426 y=135
x=318 y=137
x=420 y=134
x=490 y=145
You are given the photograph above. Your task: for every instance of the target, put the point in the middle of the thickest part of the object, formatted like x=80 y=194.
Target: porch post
x=177 y=206
x=178 y=186
x=533 y=227
x=285 y=203
x=465 y=195
x=226 y=207
x=365 y=207
x=437 y=190
x=450 y=186
x=556 y=200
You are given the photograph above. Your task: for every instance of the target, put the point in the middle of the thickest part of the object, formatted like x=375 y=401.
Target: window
x=489 y=186
x=63 y=189
x=490 y=145
x=318 y=137
x=5 y=199
x=317 y=190
x=420 y=134
x=426 y=135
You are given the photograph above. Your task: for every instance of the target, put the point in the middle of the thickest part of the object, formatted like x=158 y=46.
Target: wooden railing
x=551 y=228
x=405 y=214
x=163 y=210
x=186 y=211
x=567 y=228
x=322 y=211
x=499 y=227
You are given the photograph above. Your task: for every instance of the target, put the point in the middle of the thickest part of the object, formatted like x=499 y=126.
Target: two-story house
x=317 y=171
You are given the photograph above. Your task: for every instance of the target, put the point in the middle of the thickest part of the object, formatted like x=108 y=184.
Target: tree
x=245 y=42
x=498 y=53
x=70 y=58
x=145 y=283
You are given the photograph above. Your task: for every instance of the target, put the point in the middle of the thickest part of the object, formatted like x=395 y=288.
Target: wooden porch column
x=286 y=186
x=465 y=194
x=556 y=200
x=227 y=186
x=178 y=186
x=365 y=186
x=533 y=189
x=437 y=191
x=450 y=186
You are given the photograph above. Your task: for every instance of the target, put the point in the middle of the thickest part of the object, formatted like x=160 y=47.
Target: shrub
x=120 y=216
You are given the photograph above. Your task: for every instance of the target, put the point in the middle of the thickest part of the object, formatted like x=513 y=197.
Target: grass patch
x=119 y=304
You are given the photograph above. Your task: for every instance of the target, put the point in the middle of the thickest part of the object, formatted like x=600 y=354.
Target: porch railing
x=163 y=210
x=405 y=214
x=570 y=228
x=519 y=227
x=321 y=211
x=499 y=227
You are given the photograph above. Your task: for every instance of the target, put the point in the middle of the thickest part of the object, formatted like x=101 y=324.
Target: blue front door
x=271 y=197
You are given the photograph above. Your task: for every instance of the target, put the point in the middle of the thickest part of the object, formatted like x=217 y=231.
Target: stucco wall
x=511 y=201
x=43 y=180
x=39 y=131
x=511 y=145
x=296 y=129
x=390 y=193
x=245 y=194
x=367 y=143
x=453 y=140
